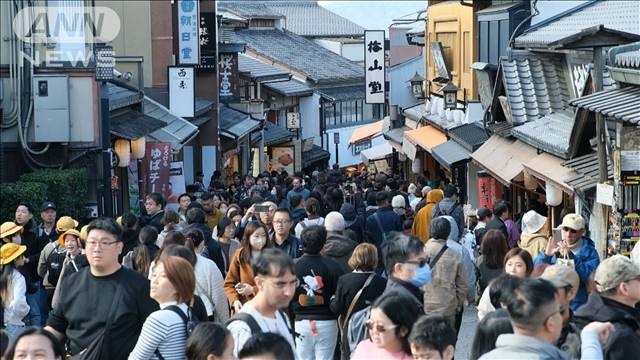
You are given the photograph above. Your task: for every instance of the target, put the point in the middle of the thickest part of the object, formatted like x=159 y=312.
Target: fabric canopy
x=376 y=152
x=549 y=168
x=427 y=137
x=367 y=132
x=450 y=153
x=503 y=158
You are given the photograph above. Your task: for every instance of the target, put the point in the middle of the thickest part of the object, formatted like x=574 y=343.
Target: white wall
x=353 y=52
x=310 y=117
x=187 y=166
x=208 y=162
x=345 y=155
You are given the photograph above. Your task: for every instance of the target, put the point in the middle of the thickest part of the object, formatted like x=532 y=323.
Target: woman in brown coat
x=238 y=284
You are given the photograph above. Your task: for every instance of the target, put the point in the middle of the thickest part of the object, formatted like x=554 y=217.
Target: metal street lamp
x=450 y=92
x=417 y=86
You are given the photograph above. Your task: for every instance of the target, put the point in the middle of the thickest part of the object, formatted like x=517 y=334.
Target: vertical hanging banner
x=207 y=42
x=155 y=168
x=182 y=96
x=228 y=76
x=489 y=190
x=177 y=184
x=374 y=67
x=188 y=32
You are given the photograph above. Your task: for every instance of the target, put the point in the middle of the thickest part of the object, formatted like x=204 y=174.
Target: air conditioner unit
x=51 y=108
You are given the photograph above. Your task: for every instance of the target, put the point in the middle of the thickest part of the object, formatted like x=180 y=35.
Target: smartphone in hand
x=557 y=236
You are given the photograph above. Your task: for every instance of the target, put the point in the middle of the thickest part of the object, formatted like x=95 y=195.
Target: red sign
x=489 y=190
x=155 y=169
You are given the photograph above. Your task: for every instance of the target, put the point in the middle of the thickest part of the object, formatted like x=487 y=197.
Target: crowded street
x=320 y=180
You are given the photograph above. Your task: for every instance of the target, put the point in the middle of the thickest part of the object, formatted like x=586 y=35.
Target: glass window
x=367 y=112
x=338 y=107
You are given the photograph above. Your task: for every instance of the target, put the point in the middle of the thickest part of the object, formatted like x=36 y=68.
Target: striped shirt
x=165 y=331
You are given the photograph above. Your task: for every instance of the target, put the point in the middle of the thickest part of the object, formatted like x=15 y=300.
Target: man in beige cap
x=618 y=292
x=566 y=281
x=575 y=250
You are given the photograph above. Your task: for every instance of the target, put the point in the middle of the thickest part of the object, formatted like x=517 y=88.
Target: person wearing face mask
x=406 y=263
x=447 y=291
x=239 y=284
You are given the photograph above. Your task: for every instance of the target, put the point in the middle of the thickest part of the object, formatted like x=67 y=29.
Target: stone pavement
x=467 y=331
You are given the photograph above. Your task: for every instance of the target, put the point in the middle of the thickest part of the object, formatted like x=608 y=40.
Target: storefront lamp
x=417 y=86
x=138 y=147
x=450 y=93
x=123 y=150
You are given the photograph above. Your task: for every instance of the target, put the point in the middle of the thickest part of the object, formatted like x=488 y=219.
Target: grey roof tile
x=415 y=112
x=303 y=55
x=315 y=154
x=550 y=133
x=450 y=153
x=133 y=124
x=235 y=123
x=307 y=18
x=396 y=134
x=343 y=92
x=470 y=136
x=273 y=134
x=120 y=97
x=620 y=104
x=176 y=130
x=618 y=15
x=291 y=87
x=586 y=167
x=249 y=9
x=258 y=70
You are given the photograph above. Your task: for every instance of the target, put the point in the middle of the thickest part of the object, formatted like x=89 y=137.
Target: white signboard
x=293 y=120
x=374 y=66
x=177 y=184
x=182 y=100
x=409 y=149
x=188 y=32
x=604 y=194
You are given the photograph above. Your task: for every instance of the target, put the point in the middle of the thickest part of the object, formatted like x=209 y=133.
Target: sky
x=374 y=15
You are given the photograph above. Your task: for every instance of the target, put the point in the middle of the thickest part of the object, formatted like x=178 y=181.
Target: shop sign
x=182 y=96
x=489 y=190
x=293 y=120
x=188 y=32
x=228 y=76
x=283 y=159
x=156 y=168
x=374 y=66
x=177 y=184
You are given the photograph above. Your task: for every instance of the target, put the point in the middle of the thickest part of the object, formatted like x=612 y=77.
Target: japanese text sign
x=155 y=168
x=188 y=32
x=489 y=190
x=228 y=75
x=374 y=66
x=182 y=91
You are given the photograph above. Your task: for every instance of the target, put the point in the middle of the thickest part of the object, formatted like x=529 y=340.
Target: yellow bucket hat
x=9 y=228
x=10 y=252
x=69 y=232
x=65 y=223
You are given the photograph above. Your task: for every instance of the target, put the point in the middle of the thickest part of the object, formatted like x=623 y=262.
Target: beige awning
x=503 y=158
x=549 y=168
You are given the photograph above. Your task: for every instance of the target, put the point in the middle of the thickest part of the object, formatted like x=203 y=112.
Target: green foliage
x=66 y=188
x=11 y=194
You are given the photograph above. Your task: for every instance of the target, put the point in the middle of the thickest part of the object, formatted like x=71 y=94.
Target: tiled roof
x=120 y=97
x=249 y=9
x=273 y=134
x=161 y=95
x=620 y=104
x=628 y=59
x=315 y=154
x=587 y=169
x=450 y=153
x=550 y=133
x=176 y=130
x=258 y=70
x=303 y=55
x=415 y=112
x=535 y=85
x=613 y=14
x=291 y=87
x=470 y=136
x=132 y=124
x=236 y=124
x=307 y=18
x=343 y=93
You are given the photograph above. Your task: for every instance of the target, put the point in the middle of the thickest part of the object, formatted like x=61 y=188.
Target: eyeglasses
x=379 y=327
x=419 y=262
x=569 y=230
x=102 y=244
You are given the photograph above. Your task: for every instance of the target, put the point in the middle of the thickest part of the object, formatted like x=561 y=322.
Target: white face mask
x=274 y=191
x=257 y=243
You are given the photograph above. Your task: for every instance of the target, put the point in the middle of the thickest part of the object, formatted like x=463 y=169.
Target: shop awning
x=427 y=137
x=395 y=137
x=503 y=158
x=315 y=154
x=367 y=132
x=273 y=134
x=586 y=168
x=236 y=124
x=450 y=153
x=132 y=124
x=549 y=168
x=175 y=130
x=376 y=153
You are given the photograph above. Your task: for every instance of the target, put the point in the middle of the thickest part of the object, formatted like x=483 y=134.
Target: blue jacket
x=383 y=221
x=586 y=261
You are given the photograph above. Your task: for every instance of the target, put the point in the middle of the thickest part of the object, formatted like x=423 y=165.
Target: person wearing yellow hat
x=74 y=242
x=10 y=232
x=13 y=289
x=53 y=255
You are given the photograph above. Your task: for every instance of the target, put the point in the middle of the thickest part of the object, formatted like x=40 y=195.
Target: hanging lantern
x=123 y=150
x=554 y=195
x=416 y=166
x=450 y=92
x=530 y=182
x=138 y=147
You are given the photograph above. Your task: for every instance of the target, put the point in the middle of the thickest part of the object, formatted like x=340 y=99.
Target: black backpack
x=253 y=324
x=54 y=263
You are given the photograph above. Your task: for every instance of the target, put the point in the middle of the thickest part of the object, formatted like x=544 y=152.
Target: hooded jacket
x=446 y=291
x=450 y=208
x=586 y=261
x=339 y=248
x=625 y=338
x=533 y=243
x=512 y=346
x=467 y=262
x=422 y=221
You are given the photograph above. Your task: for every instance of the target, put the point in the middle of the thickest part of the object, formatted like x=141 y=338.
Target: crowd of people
x=318 y=266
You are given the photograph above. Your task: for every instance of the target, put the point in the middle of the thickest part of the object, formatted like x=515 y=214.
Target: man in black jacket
x=618 y=292
x=318 y=276
x=154 y=210
x=500 y=214
x=196 y=219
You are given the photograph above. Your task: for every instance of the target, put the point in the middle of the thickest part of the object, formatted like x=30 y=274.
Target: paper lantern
x=138 y=147
x=530 y=182
x=554 y=195
x=416 y=166
x=123 y=150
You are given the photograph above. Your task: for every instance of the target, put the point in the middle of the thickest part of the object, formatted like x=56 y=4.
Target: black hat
x=349 y=214
x=48 y=205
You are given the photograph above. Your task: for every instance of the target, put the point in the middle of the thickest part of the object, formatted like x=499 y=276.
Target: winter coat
x=533 y=243
x=512 y=346
x=450 y=208
x=497 y=224
x=586 y=261
x=446 y=292
x=339 y=248
x=486 y=274
x=422 y=222
x=467 y=264
x=239 y=272
x=153 y=220
x=625 y=338
x=130 y=241
x=407 y=289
